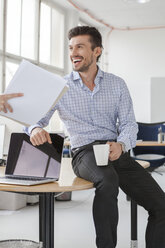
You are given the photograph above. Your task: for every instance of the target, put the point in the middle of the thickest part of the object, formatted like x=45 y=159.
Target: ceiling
x=119 y=14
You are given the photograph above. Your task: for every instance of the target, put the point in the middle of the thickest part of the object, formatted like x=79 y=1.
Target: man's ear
x=97 y=51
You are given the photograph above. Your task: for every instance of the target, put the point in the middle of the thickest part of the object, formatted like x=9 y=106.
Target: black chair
x=155 y=155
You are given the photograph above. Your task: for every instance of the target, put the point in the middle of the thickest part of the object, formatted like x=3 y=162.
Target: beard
x=84 y=67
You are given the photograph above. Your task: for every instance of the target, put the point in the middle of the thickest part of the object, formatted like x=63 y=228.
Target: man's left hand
x=115 y=150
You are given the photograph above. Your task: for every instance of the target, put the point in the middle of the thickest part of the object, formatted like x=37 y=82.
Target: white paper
x=42 y=89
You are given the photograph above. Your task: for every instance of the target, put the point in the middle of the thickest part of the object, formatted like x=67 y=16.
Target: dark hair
x=95 y=36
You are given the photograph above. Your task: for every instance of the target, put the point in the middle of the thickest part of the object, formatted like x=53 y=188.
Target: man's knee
x=158 y=214
x=108 y=183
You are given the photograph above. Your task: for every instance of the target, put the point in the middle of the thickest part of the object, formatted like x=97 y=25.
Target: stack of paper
x=42 y=89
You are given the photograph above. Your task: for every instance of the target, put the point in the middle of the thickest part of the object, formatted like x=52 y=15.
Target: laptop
x=32 y=165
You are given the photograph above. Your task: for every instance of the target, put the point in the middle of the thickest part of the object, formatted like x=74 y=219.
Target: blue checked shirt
x=92 y=115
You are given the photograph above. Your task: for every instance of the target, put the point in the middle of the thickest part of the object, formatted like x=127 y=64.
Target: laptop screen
x=24 y=159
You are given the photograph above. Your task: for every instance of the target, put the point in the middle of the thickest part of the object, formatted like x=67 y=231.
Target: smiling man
x=96 y=109
x=83 y=52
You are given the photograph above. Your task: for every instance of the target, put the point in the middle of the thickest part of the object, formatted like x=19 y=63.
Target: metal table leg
x=134 y=243
x=46 y=219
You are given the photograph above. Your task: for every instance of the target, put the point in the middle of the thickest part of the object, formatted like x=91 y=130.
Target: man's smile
x=76 y=60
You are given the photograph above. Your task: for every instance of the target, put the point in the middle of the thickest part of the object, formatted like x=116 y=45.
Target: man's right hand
x=39 y=136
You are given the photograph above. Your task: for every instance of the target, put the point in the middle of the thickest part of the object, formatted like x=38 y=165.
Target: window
x=45 y=25
x=1 y=24
x=22 y=22
x=11 y=67
x=51 y=36
x=57 y=31
x=13 y=26
x=28 y=29
x=20 y=36
x=1 y=74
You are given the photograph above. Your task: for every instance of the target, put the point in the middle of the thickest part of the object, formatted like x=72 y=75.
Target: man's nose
x=74 y=52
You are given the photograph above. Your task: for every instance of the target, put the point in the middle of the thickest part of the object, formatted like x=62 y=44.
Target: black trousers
x=135 y=181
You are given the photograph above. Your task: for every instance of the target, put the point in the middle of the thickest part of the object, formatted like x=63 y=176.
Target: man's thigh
x=135 y=181
x=84 y=165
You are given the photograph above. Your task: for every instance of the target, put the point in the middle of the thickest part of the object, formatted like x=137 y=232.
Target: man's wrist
x=122 y=146
x=31 y=128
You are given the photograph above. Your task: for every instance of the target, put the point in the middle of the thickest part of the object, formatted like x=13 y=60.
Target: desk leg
x=133 y=224
x=46 y=219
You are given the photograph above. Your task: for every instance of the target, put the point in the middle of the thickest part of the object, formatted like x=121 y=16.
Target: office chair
x=155 y=155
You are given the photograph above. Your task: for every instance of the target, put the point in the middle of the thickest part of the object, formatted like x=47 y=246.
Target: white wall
x=157 y=99
x=137 y=56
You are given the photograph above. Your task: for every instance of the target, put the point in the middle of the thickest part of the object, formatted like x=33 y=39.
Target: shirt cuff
x=123 y=146
x=28 y=130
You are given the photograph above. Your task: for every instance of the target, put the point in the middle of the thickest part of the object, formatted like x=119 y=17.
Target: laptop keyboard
x=26 y=178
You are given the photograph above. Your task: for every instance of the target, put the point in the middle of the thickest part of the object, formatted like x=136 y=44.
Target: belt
x=74 y=150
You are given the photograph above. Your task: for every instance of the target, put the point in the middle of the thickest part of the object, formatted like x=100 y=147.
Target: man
x=95 y=102
x=4 y=105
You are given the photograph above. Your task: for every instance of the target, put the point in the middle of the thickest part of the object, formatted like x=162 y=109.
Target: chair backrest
x=149 y=132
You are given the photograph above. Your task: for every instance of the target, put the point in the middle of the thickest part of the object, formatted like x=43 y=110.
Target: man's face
x=81 y=54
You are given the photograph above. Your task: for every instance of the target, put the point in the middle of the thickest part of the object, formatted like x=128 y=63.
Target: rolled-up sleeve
x=41 y=123
x=128 y=127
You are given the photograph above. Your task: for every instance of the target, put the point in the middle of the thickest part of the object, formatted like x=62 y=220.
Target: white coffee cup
x=101 y=152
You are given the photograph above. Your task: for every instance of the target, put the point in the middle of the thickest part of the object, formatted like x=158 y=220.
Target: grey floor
x=73 y=222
